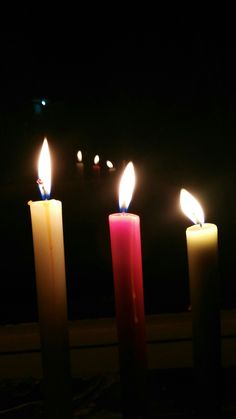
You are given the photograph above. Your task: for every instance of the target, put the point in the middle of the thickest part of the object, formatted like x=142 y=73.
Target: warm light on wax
x=126 y=187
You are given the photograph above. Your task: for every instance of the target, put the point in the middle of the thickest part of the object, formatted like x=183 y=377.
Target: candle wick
x=42 y=188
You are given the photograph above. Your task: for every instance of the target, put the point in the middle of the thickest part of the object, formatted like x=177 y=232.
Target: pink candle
x=129 y=299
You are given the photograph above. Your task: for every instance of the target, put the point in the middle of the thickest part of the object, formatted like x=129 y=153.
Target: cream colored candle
x=48 y=242
x=202 y=250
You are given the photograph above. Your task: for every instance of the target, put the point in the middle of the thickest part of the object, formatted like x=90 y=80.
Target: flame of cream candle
x=126 y=187
x=79 y=156
x=191 y=207
x=96 y=159
x=44 y=171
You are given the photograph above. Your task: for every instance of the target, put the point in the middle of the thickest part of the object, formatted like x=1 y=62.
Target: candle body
x=80 y=168
x=111 y=169
x=48 y=242
x=202 y=246
x=129 y=302
x=96 y=169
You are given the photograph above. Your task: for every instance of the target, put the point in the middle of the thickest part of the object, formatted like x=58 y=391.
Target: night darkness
x=163 y=98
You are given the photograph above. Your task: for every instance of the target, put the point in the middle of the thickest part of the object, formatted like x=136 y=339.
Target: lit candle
x=129 y=299
x=202 y=250
x=110 y=166
x=96 y=165
x=48 y=243
x=80 y=164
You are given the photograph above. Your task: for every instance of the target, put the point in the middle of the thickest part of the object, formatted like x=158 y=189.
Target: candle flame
x=126 y=187
x=44 y=171
x=109 y=164
x=96 y=159
x=191 y=207
x=79 y=156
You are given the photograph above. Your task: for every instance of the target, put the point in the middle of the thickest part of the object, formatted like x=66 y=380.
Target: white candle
x=202 y=250
x=48 y=242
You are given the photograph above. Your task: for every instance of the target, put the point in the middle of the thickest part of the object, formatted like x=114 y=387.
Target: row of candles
x=48 y=242
x=96 y=164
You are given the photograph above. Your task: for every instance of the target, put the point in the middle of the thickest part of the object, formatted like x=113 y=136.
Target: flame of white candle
x=126 y=187
x=96 y=159
x=109 y=164
x=44 y=171
x=79 y=156
x=191 y=207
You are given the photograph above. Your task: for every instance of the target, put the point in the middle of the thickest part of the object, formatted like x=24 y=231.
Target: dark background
x=161 y=95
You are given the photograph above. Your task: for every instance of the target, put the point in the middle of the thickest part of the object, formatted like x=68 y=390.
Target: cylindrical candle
x=202 y=250
x=96 y=165
x=80 y=164
x=48 y=243
x=129 y=304
x=110 y=166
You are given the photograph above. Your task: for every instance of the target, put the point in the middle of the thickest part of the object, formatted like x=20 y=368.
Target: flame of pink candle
x=126 y=187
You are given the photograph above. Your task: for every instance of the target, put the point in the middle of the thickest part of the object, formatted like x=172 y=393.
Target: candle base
x=134 y=392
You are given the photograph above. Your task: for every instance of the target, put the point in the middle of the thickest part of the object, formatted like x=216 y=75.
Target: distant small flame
x=96 y=159
x=126 y=187
x=191 y=207
x=79 y=156
x=109 y=164
x=44 y=171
